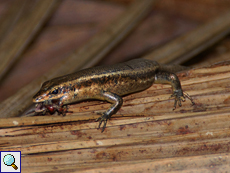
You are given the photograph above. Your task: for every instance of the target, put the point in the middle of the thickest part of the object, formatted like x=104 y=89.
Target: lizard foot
x=103 y=119
x=180 y=96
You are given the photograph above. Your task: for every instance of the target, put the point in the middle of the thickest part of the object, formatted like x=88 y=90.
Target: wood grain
x=145 y=132
x=145 y=135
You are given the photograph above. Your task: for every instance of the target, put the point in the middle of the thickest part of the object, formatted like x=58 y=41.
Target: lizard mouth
x=39 y=107
x=43 y=107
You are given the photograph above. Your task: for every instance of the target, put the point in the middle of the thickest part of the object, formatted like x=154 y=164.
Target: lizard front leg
x=116 y=101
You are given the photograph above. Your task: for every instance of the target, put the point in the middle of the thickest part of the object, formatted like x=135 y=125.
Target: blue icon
x=9 y=160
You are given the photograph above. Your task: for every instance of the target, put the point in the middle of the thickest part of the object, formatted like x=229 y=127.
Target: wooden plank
x=155 y=135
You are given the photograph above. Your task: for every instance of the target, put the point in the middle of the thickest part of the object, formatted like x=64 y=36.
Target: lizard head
x=49 y=91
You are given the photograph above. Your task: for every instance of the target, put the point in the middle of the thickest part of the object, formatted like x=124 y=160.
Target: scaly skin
x=107 y=83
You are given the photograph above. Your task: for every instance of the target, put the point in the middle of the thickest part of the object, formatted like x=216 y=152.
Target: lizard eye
x=55 y=91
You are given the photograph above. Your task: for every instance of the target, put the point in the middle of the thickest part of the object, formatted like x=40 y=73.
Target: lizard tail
x=174 y=68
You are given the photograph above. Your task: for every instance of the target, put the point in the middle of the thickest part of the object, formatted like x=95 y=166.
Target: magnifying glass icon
x=9 y=160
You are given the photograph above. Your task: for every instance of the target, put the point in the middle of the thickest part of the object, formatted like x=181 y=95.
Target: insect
x=106 y=83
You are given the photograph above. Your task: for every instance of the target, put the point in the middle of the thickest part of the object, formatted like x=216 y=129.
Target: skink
x=107 y=83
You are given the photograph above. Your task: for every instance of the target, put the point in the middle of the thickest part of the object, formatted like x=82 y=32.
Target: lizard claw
x=180 y=96
x=188 y=96
x=103 y=119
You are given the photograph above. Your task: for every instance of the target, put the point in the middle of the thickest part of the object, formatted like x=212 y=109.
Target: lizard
x=107 y=83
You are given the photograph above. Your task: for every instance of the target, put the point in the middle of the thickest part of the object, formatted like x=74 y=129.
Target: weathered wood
x=73 y=143
x=144 y=136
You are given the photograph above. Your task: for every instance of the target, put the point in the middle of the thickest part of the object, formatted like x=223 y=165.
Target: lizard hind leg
x=165 y=77
x=116 y=101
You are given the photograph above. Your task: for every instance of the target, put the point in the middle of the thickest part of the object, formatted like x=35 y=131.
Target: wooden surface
x=145 y=135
